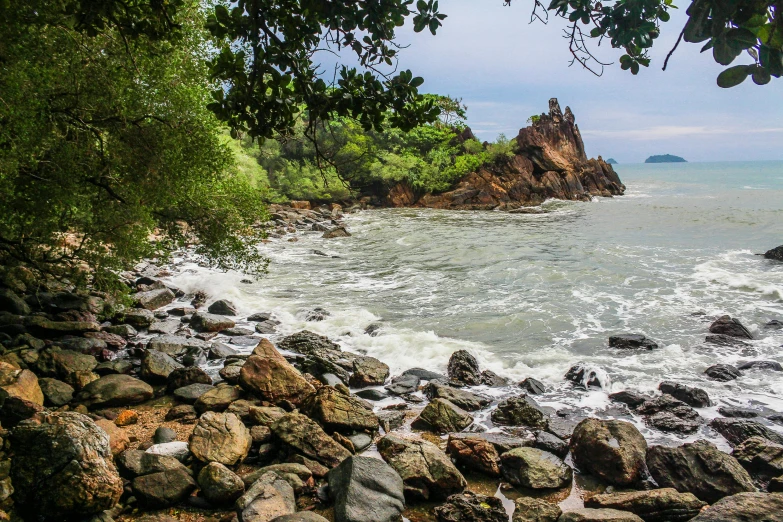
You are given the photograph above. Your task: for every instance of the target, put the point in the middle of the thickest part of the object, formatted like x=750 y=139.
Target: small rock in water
x=631 y=398
x=403 y=384
x=425 y=375
x=761 y=365
x=691 y=396
x=533 y=386
x=726 y=325
x=534 y=468
x=630 y=341
x=722 y=372
x=317 y=314
x=731 y=411
x=222 y=307
x=336 y=232
x=586 y=376
x=724 y=340
x=775 y=253
x=463 y=369
x=372 y=394
x=737 y=431
x=774 y=325
x=493 y=380
x=260 y=316
x=373 y=330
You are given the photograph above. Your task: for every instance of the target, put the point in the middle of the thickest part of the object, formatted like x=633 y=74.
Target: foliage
x=107 y=152
x=727 y=28
x=533 y=119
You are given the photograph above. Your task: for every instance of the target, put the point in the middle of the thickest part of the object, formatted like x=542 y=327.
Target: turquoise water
x=533 y=294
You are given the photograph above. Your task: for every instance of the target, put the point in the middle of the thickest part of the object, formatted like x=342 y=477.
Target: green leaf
x=761 y=76
x=417 y=81
x=723 y=53
x=421 y=5
x=733 y=76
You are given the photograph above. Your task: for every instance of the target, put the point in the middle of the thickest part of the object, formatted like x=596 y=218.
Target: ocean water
x=532 y=294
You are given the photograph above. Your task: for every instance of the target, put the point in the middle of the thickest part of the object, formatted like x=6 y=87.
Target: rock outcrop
x=550 y=163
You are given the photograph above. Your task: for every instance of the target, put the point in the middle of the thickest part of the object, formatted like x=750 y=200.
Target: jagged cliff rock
x=550 y=163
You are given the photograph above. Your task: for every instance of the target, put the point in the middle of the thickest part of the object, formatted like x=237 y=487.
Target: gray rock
x=463 y=368
x=520 y=411
x=175 y=345
x=266 y=499
x=222 y=307
x=163 y=489
x=189 y=394
x=533 y=386
x=722 y=372
x=360 y=441
x=744 y=507
x=461 y=398
x=425 y=375
x=134 y=463
x=761 y=365
x=221 y=351
x=366 y=489
x=163 y=435
x=762 y=458
x=743 y=413
x=737 y=431
x=691 y=396
x=726 y=325
x=182 y=377
x=403 y=384
x=154 y=299
x=156 y=366
x=219 y=485
x=630 y=398
x=534 y=468
x=372 y=394
x=612 y=450
x=632 y=341
x=204 y=322
x=56 y=393
x=115 y=390
x=551 y=443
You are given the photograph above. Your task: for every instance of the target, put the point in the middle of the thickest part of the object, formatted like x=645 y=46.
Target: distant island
x=611 y=161
x=665 y=158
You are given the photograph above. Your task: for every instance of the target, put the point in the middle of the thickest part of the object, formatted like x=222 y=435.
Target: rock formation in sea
x=665 y=158
x=550 y=163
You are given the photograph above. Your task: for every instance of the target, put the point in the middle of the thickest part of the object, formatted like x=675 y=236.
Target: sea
x=532 y=294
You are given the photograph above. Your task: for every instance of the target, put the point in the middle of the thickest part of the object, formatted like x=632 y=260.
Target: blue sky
x=506 y=69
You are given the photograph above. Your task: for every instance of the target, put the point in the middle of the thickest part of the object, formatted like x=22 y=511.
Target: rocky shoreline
x=108 y=414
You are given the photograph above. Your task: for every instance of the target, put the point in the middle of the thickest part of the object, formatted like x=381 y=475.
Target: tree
x=108 y=153
x=727 y=28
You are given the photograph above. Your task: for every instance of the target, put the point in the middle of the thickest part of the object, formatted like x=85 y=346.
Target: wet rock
x=154 y=299
x=744 y=507
x=175 y=345
x=62 y=468
x=669 y=414
x=220 y=437
x=220 y=351
x=471 y=507
x=138 y=317
x=737 y=431
x=336 y=232
x=669 y=422
x=442 y=416
x=531 y=509
x=426 y=471
x=474 y=453
x=157 y=366
x=368 y=371
x=115 y=390
x=219 y=485
x=391 y=420
x=631 y=398
x=306 y=437
x=724 y=340
x=774 y=325
x=404 y=384
x=463 y=369
x=492 y=379
x=534 y=468
x=691 y=396
x=259 y=317
x=66 y=365
x=205 y=322
x=189 y=394
x=520 y=411
x=584 y=376
x=222 y=307
x=722 y=372
x=743 y=413
x=266 y=499
x=461 y=398
x=726 y=325
x=182 y=377
x=267 y=374
x=775 y=254
x=231 y=373
x=373 y=330
x=372 y=395
x=307 y=343
x=657 y=505
x=266 y=327
x=533 y=386
x=598 y=515
x=218 y=398
x=551 y=443
x=761 y=365
x=425 y=375
x=366 y=489
x=698 y=468
x=632 y=341
x=336 y=411
x=317 y=314
x=762 y=458
x=163 y=489
x=21 y=383
x=612 y=450
x=360 y=441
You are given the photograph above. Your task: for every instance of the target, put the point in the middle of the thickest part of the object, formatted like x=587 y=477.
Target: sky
x=506 y=69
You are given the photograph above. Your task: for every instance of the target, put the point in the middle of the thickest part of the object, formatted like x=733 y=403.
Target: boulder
x=115 y=390
x=534 y=468
x=734 y=412
x=182 y=377
x=698 y=468
x=222 y=307
x=175 y=345
x=12 y=303
x=220 y=437
x=722 y=372
x=427 y=473
x=584 y=376
x=154 y=299
x=218 y=398
x=532 y=386
x=204 y=322
x=463 y=369
x=306 y=437
x=744 y=507
x=531 y=509
x=632 y=341
x=726 y=325
x=425 y=375
x=137 y=317
x=46 y=328
x=265 y=415
x=691 y=396
x=737 y=431
x=461 y=398
x=612 y=450
x=118 y=440
x=762 y=458
x=164 y=488
x=62 y=468
x=474 y=453
x=267 y=374
x=630 y=398
x=442 y=416
x=56 y=393
x=551 y=443
x=366 y=489
x=669 y=414
x=520 y=411
x=775 y=254
x=135 y=463
x=657 y=505
x=471 y=507
x=598 y=515
x=404 y=384
x=336 y=232
x=307 y=343
x=65 y=365
x=20 y=383
x=266 y=499
x=157 y=366
x=190 y=394
x=219 y=485
x=368 y=371
x=761 y=365
x=724 y=340
x=493 y=380
x=337 y=411
x=220 y=351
